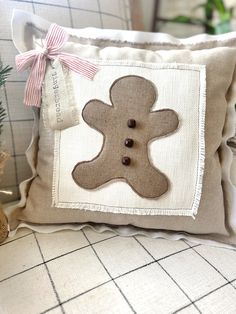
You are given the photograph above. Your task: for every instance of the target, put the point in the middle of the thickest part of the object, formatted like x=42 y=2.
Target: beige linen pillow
x=177 y=180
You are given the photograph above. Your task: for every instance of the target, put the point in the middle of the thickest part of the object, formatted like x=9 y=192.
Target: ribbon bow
x=37 y=61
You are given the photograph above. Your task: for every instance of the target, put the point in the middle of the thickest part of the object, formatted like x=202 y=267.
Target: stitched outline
x=201 y=151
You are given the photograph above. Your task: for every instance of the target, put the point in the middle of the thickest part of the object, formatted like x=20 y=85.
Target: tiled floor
x=86 y=272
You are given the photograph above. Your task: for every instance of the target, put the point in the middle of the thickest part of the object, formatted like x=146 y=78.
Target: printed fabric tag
x=59 y=106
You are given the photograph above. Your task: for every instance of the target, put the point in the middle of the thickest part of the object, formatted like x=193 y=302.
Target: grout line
x=75 y=250
x=21 y=272
x=13 y=240
x=70 y=252
x=33 y=7
x=15 y=81
x=74 y=8
x=168 y=275
x=124 y=274
x=134 y=269
x=100 y=13
x=193 y=244
x=78 y=295
x=51 y=309
x=23 y=120
x=49 y=275
x=182 y=308
x=70 y=14
x=214 y=290
x=121 y=292
x=11 y=133
x=113 y=279
x=49 y=259
x=150 y=263
x=172 y=254
x=213 y=267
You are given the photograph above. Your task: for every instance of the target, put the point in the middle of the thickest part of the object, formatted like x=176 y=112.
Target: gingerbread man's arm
x=97 y=114
x=162 y=122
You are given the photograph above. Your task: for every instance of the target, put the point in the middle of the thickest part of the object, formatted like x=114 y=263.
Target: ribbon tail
x=25 y=60
x=56 y=38
x=34 y=83
x=78 y=65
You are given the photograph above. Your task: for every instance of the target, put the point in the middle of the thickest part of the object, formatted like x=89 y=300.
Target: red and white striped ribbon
x=37 y=60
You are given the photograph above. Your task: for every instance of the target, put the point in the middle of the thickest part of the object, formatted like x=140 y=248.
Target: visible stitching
x=152 y=211
x=145 y=45
x=201 y=142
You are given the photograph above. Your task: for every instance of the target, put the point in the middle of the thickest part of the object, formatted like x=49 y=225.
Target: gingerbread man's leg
x=96 y=172
x=147 y=181
x=162 y=122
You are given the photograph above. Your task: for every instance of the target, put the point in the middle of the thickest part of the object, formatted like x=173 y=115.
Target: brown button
x=129 y=142
x=126 y=161
x=131 y=123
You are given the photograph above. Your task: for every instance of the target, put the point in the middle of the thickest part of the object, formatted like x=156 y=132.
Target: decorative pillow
x=137 y=140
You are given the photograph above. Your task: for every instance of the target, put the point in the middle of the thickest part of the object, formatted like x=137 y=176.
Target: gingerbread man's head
x=133 y=90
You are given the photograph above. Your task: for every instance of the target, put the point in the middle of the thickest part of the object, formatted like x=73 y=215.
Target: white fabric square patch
x=180 y=156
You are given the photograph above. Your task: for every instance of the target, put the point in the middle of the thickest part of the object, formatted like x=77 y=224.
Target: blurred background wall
x=156 y=12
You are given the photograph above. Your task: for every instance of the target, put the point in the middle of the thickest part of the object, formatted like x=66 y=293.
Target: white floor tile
x=30 y=292
x=222 y=259
x=150 y=290
x=58 y=243
x=76 y=273
x=85 y=19
x=22 y=135
x=18 y=256
x=55 y=2
x=112 y=9
x=60 y=16
x=57 y=310
x=15 y=96
x=192 y=244
x=194 y=275
x=121 y=255
x=84 y=4
x=160 y=248
x=219 y=302
x=94 y=236
x=6 y=15
x=112 y=22
x=189 y=310
x=104 y=299
x=20 y=233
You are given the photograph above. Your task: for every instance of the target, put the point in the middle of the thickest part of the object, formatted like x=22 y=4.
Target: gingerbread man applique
x=127 y=126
